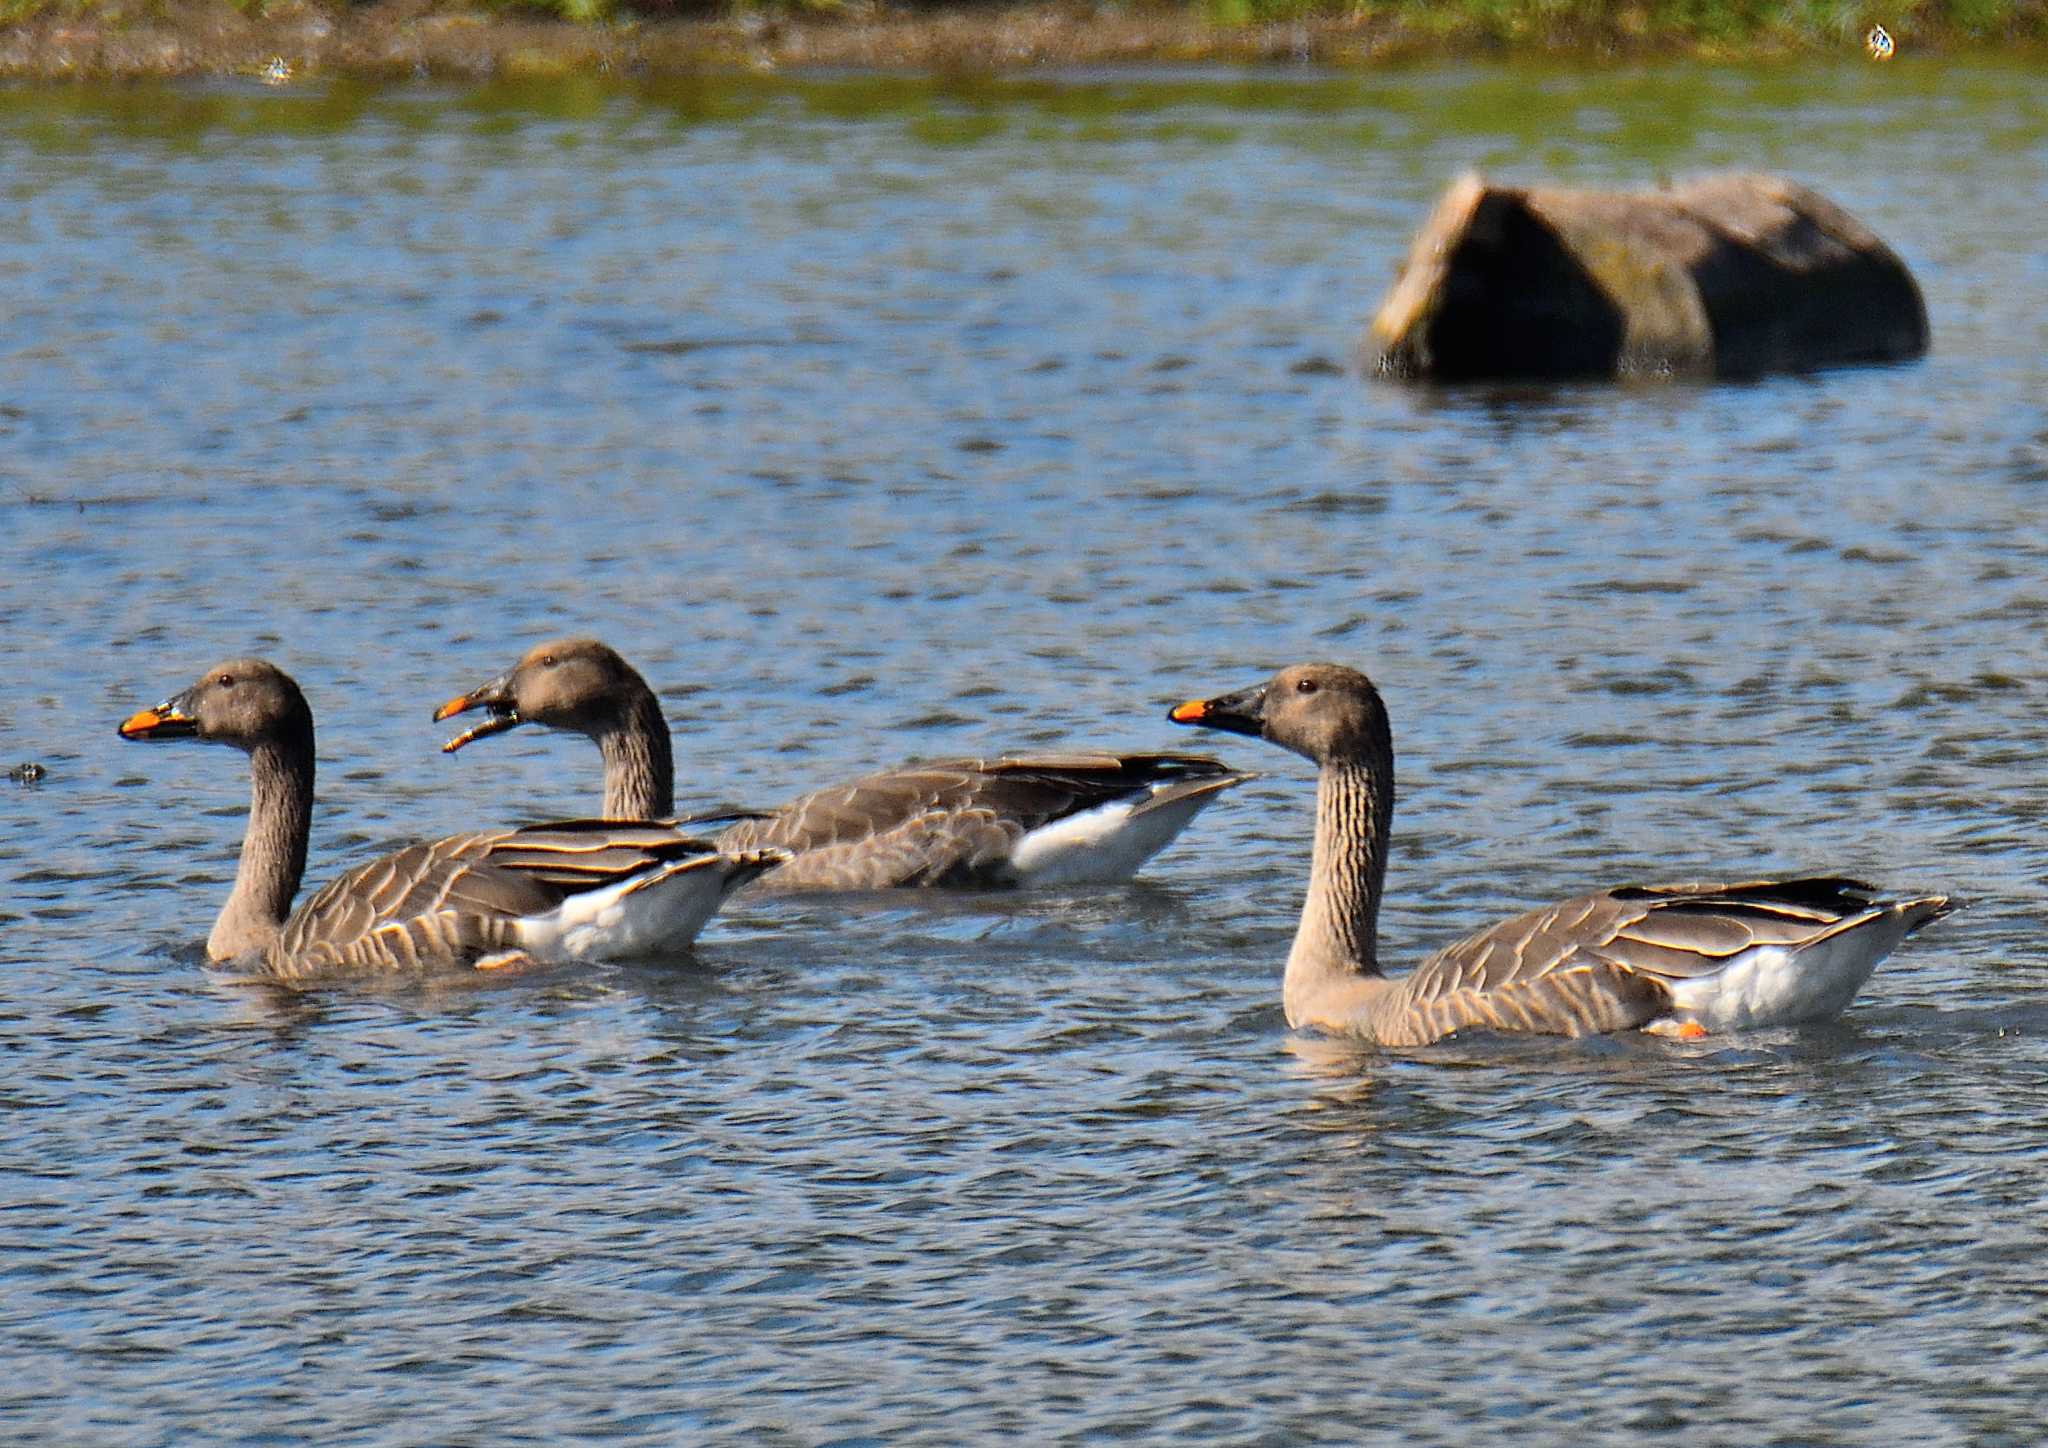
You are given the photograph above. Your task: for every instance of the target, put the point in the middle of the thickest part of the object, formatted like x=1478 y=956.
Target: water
x=876 y=418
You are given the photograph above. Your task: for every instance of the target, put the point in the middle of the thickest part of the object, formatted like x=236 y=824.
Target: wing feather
x=1607 y=961
x=954 y=821
x=463 y=895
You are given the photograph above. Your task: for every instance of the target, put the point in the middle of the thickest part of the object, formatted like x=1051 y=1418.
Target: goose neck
x=639 y=768
x=273 y=849
x=1334 y=965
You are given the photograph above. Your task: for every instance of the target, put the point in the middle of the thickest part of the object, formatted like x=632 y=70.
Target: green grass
x=1599 y=24
x=1416 y=26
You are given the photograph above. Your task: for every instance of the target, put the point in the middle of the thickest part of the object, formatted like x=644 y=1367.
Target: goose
x=1683 y=960
x=1026 y=819
x=576 y=890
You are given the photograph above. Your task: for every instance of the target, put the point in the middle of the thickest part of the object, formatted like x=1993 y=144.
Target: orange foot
x=504 y=960
x=1689 y=1030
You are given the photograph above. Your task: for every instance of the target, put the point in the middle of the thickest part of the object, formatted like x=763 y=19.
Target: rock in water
x=1728 y=276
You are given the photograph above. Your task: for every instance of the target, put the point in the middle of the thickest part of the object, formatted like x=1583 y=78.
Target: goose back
x=467 y=896
x=1628 y=957
x=1040 y=819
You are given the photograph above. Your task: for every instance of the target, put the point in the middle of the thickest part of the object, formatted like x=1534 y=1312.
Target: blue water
x=878 y=418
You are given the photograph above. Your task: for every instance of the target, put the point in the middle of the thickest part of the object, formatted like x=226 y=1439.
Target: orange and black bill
x=1241 y=713
x=171 y=719
x=496 y=696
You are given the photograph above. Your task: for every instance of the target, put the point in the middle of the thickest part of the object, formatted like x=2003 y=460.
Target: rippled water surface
x=883 y=418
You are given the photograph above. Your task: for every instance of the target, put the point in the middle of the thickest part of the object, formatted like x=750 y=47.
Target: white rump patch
x=650 y=914
x=1104 y=844
x=1776 y=985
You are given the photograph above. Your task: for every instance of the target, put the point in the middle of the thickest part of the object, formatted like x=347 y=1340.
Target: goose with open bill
x=1028 y=819
x=570 y=891
x=1683 y=960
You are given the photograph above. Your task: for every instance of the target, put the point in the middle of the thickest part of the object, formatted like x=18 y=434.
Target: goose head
x=244 y=702
x=575 y=684
x=1320 y=711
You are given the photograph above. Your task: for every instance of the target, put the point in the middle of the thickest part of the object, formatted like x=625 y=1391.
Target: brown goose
x=1039 y=819
x=1676 y=959
x=578 y=890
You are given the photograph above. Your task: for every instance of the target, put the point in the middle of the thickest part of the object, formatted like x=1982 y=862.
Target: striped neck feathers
x=1333 y=968
x=273 y=848
x=639 y=767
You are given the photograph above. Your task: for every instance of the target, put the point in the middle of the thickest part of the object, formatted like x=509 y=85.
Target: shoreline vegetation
x=285 y=40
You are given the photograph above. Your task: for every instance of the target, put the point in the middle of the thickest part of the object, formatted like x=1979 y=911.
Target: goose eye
x=547 y=661
x=1304 y=686
x=226 y=681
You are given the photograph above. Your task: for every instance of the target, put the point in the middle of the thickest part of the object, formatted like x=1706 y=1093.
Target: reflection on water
x=877 y=417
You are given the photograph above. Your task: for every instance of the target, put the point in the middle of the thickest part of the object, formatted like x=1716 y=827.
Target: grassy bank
x=287 y=39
